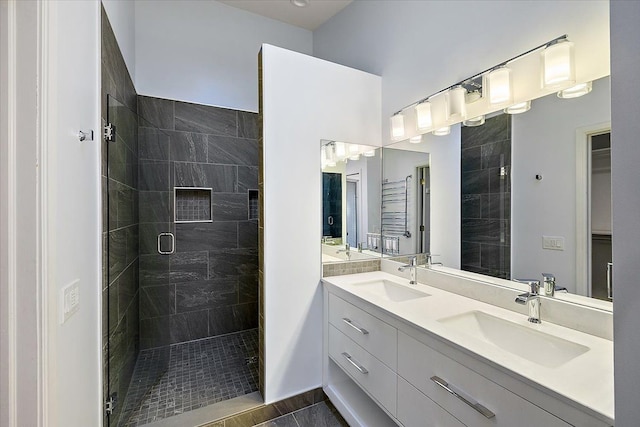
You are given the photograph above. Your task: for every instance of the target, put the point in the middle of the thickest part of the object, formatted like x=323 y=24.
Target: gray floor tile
x=196 y=374
x=285 y=421
x=318 y=415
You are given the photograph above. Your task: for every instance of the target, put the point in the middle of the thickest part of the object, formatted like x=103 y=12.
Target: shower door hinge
x=110 y=132
x=110 y=404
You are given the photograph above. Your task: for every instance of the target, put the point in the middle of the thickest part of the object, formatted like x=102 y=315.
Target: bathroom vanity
x=418 y=355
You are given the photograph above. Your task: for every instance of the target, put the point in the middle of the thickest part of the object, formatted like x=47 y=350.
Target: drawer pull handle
x=350 y=323
x=358 y=367
x=462 y=396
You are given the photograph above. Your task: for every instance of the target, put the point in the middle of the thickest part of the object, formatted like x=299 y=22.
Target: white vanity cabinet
x=382 y=371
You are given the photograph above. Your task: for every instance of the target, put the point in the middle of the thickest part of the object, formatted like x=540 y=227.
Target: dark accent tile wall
x=120 y=290
x=486 y=197
x=209 y=286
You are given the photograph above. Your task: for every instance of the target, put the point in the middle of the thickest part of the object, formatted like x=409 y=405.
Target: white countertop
x=586 y=380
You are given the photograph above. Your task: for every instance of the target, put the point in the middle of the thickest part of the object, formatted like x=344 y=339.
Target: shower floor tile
x=199 y=373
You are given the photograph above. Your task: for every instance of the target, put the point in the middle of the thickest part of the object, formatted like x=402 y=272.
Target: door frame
x=583 y=204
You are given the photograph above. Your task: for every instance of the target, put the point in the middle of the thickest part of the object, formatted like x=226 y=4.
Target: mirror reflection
x=351 y=177
x=523 y=194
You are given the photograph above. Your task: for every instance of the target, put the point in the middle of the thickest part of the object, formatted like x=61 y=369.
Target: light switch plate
x=69 y=300
x=555 y=243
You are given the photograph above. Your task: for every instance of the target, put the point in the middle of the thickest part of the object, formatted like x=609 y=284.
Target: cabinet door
x=374 y=335
x=430 y=372
x=369 y=373
x=417 y=410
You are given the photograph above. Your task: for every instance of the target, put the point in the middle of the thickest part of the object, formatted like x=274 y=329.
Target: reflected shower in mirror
x=351 y=177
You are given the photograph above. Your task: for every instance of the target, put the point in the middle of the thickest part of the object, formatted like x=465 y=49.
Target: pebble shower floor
x=200 y=373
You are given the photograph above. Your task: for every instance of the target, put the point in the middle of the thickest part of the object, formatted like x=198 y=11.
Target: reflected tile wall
x=486 y=197
x=209 y=286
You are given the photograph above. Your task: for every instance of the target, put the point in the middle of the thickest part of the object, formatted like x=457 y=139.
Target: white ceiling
x=316 y=13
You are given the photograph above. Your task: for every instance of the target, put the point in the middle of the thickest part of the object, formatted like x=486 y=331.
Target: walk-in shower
x=180 y=288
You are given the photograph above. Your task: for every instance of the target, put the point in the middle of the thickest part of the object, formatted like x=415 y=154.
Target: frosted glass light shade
x=500 y=86
x=397 y=126
x=558 y=65
x=518 y=108
x=576 y=91
x=475 y=121
x=442 y=131
x=457 y=104
x=416 y=139
x=423 y=114
x=340 y=150
x=369 y=153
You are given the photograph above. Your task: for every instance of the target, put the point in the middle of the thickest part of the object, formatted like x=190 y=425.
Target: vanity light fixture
x=423 y=114
x=500 y=86
x=354 y=149
x=341 y=151
x=416 y=139
x=446 y=130
x=354 y=157
x=397 y=126
x=369 y=153
x=518 y=108
x=456 y=102
x=493 y=89
x=558 y=64
x=476 y=121
x=576 y=91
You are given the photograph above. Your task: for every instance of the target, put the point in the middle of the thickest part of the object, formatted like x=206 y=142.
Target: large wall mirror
x=351 y=193
x=522 y=194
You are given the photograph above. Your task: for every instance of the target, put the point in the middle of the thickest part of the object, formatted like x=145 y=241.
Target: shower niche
x=192 y=204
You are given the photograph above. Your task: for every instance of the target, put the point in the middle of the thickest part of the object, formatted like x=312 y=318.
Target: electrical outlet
x=69 y=300
x=554 y=243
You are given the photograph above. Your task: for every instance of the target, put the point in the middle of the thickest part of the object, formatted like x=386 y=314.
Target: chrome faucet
x=549 y=281
x=346 y=250
x=532 y=299
x=413 y=265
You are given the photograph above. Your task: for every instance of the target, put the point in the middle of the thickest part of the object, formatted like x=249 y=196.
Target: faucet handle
x=534 y=285
x=549 y=284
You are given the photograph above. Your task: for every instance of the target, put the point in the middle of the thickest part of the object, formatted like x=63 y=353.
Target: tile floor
x=199 y=373
x=318 y=415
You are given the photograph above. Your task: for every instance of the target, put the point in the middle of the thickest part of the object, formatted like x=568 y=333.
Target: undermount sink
x=535 y=346
x=390 y=290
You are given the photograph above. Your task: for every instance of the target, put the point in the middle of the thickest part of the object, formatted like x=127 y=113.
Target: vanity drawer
x=372 y=334
x=373 y=376
x=423 y=366
x=417 y=410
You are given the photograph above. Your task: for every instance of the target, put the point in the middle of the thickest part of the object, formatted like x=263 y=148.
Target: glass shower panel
x=128 y=238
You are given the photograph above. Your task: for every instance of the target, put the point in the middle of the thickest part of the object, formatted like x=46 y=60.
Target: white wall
x=625 y=158
x=420 y=47
x=122 y=16
x=544 y=142
x=74 y=211
x=51 y=210
x=205 y=51
x=305 y=100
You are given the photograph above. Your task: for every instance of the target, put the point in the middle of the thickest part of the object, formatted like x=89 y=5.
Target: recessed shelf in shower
x=192 y=204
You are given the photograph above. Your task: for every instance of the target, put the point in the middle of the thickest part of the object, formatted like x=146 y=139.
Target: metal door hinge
x=110 y=132
x=110 y=404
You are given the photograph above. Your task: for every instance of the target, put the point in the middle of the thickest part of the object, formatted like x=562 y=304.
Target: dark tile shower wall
x=120 y=222
x=486 y=197
x=209 y=286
